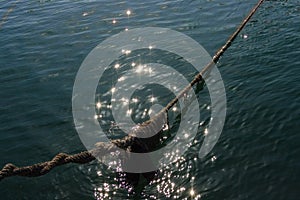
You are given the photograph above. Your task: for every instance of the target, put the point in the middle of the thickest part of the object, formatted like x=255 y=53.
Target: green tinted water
x=42 y=45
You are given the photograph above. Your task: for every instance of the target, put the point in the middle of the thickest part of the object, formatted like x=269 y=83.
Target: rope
x=45 y=167
x=129 y=142
x=199 y=77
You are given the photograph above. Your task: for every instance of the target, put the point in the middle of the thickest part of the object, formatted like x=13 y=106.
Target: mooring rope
x=102 y=148
x=199 y=77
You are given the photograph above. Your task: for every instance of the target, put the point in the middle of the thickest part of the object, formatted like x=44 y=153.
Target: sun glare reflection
x=168 y=184
x=205 y=131
x=139 y=69
x=126 y=51
x=98 y=105
x=121 y=79
x=129 y=112
x=153 y=99
x=135 y=100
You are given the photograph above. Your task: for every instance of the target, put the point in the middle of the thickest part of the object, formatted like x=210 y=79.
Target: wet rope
x=199 y=77
x=125 y=143
x=45 y=167
x=101 y=149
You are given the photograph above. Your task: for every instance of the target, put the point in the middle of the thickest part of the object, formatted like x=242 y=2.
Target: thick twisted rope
x=129 y=143
x=45 y=167
x=199 y=77
x=125 y=143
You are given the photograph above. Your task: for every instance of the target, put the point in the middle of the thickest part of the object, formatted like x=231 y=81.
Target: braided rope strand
x=45 y=167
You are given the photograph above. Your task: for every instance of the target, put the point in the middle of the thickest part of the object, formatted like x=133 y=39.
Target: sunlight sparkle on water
x=121 y=79
x=99 y=173
x=129 y=112
x=139 y=69
x=135 y=100
x=125 y=101
x=152 y=99
x=84 y=14
x=97 y=116
x=206 y=131
x=117 y=66
x=150 y=111
x=98 y=105
x=128 y=12
x=192 y=192
x=213 y=158
x=126 y=51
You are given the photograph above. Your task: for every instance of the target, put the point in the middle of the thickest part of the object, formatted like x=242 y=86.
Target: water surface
x=43 y=43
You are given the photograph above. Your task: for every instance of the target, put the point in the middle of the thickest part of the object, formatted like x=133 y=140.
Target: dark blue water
x=43 y=43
